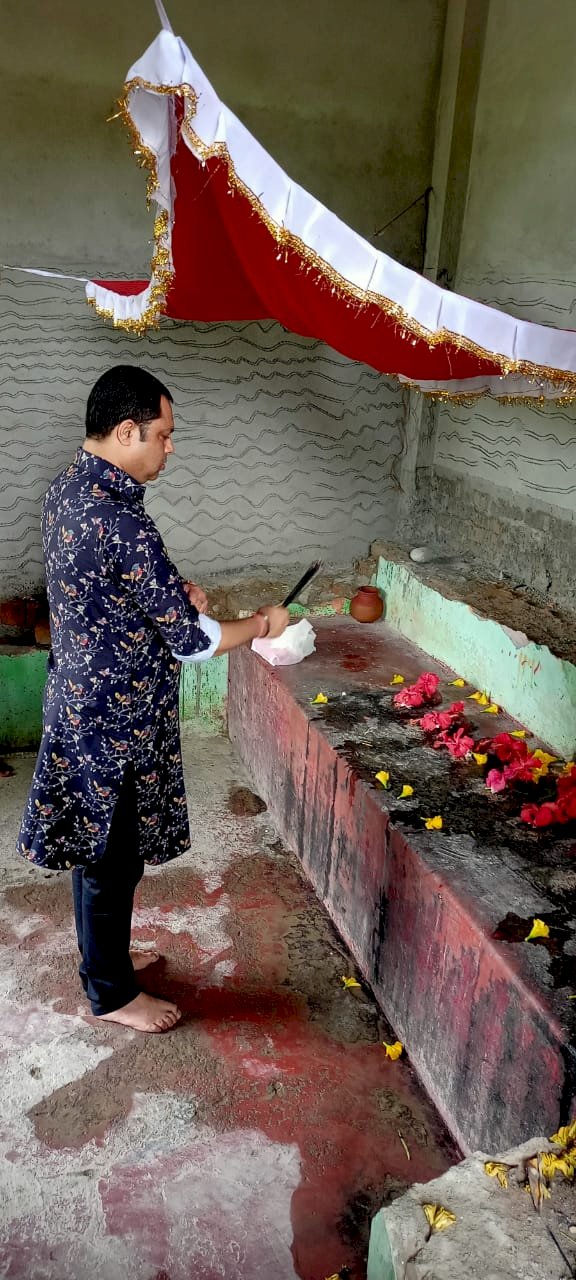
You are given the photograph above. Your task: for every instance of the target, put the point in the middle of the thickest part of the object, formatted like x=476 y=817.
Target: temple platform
x=436 y=919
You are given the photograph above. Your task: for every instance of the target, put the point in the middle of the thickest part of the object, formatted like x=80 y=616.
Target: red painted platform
x=436 y=920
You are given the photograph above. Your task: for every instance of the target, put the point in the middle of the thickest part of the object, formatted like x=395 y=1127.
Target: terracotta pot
x=367 y=605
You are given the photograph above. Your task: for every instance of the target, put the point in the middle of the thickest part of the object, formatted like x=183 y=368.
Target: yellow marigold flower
x=539 y=930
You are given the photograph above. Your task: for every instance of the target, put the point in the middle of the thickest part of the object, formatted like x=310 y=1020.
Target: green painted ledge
x=526 y=679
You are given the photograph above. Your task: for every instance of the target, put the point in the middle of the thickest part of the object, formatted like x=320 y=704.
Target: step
x=488 y=1023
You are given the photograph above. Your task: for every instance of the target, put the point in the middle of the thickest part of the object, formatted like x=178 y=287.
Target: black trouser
x=103 y=902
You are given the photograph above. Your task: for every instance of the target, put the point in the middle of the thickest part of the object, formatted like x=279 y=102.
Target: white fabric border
x=168 y=61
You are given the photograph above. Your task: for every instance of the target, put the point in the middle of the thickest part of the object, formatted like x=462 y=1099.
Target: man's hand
x=196 y=596
x=278 y=619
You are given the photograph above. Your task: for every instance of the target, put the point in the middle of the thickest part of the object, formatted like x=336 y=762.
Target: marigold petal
x=495 y=1169
x=539 y=930
x=438 y=1217
x=393 y=1051
x=434 y=824
x=406 y=791
x=383 y=777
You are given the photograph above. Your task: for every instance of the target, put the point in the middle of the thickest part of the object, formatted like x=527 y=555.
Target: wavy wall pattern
x=530 y=450
x=285 y=450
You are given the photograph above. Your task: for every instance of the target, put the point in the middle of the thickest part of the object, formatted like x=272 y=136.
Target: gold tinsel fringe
x=353 y=295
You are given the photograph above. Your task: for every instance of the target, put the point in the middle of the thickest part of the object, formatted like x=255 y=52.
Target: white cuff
x=213 y=630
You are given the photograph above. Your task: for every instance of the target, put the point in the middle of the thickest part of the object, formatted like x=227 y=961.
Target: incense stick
x=303 y=582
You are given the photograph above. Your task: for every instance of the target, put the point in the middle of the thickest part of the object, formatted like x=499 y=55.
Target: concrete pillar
x=463 y=51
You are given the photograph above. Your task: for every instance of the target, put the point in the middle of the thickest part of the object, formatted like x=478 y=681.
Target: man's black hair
x=123 y=392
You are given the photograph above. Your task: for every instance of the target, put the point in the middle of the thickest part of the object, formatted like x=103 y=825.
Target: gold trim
x=338 y=284
x=470 y=397
x=161 y=268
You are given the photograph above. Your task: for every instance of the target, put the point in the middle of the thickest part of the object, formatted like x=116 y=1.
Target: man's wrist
x=264 y=625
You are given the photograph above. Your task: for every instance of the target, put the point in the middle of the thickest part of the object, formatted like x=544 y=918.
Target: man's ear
x=125 y=431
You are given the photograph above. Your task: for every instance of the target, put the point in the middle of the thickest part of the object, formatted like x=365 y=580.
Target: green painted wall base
x=380 y=1259
x=527 y=680
x=203 y=689
x=22 y=679
x=203 y=693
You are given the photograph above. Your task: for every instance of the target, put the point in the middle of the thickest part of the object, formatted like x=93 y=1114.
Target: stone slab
x=487 y=1020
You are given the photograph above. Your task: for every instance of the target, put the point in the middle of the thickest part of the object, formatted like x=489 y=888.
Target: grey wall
x=285 y=448
x=503 y=477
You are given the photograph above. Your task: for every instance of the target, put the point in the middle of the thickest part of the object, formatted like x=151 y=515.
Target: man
x=108 y=788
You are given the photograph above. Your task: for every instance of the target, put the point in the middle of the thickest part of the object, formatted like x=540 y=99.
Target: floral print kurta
x=118 y=616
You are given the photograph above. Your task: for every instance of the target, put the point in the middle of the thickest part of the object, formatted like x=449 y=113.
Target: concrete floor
x=256 y=1141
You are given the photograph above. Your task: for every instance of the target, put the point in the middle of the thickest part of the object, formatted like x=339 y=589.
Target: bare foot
x=145 y=1013
x=141 y=959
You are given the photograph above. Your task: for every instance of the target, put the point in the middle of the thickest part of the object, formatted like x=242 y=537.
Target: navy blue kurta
x=118 y=616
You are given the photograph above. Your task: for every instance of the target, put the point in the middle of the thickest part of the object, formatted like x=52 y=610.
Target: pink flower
x=459 y=744
x=418 y=694
x=495 y=780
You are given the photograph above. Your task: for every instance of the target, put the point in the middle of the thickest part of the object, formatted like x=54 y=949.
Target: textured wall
x=285 y=450
x=503 y=483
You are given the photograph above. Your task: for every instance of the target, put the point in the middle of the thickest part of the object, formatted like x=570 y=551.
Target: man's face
x=148 y=456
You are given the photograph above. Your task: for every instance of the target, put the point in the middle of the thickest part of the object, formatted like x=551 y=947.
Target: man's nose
x=169 y=447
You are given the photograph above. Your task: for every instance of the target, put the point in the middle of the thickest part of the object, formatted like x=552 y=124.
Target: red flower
x=507 y=748
x=417 y=695
x=541 y=815
x=459 y=744
x=433 y=721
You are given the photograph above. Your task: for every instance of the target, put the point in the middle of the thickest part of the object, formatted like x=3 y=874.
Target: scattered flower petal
x=397 y=679
x=480 y=757
x=480 y=698
x=393 y=1051
x=349 y=983
x=568 y=767
x=518 y=733
x=495 y=1169
x=545 y=757
x=406 y=791
x=320 y=697
x=492 y=710
x=383 y=777
x=433 y=824
x=438 y=1217
x=458 y=684
x=565 y=1135
x=539 y=930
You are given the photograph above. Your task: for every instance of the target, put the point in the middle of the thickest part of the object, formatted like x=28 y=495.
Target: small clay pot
x=367 y=605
